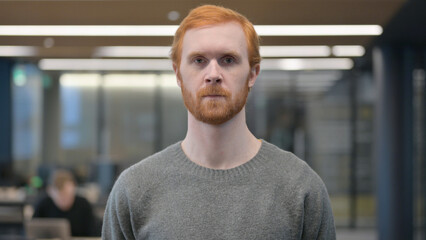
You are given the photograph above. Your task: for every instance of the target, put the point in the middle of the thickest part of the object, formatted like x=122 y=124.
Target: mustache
x=213 y=90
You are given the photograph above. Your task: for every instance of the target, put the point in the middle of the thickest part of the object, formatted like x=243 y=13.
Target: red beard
x=214 y=111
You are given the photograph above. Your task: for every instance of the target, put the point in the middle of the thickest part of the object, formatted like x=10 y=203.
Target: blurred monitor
x=40 y=228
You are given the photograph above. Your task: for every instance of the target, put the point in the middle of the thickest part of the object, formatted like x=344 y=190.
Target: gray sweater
x=275 y=195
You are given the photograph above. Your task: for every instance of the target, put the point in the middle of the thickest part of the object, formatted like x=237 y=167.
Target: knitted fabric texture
x=275 y=195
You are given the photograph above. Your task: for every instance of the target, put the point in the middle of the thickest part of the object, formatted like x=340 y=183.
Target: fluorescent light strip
x=348 y=51
x=18 y=51
x=106 y=64
x=88 y=30
x=80 y=80
x=318 y=30
x=166 y=65
x=169 y=30
x=294 y=64
x=168 y=81
x=295 y=51
x=130 y=80
x=163 y=51
x=130 y=51
x=265 y=51
x=118 y=81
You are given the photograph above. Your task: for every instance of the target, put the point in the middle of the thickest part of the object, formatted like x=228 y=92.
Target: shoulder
x=284 y=160
x=82 y=201
x=136 y=183
x=290 y=168
x=149 y=170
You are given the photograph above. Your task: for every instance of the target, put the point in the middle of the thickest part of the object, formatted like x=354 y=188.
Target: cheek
x=241 y=80
x=191 y=79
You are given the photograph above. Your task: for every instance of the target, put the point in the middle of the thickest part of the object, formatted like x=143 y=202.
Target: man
x=220 y=182
x=62 y=202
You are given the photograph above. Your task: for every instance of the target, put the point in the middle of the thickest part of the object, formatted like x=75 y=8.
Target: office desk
x=11 y=211
x=11 y=217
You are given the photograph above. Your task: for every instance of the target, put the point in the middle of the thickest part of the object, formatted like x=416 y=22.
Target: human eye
x=198 y=60
x=227 y=60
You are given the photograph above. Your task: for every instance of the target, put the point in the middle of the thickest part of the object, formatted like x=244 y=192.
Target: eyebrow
x=225 y=53
x=194 y=54
x=233 y=53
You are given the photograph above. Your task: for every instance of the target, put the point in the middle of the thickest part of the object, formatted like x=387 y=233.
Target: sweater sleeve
x=116 y=223
x=318 y=222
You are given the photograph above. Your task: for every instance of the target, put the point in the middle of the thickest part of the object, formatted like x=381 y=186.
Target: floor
x=356 y=234
x=368 y=234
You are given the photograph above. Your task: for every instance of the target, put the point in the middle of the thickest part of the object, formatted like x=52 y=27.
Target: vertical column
x=423 y=154
x=5 y=119
x=105 y=168
x=353 y=159
x=103 y=132
x=51 y=122
x=394 y=141
x=407 y=143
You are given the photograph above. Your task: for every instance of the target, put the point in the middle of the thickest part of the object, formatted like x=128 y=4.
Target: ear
x=254 y=72
x=176 y=70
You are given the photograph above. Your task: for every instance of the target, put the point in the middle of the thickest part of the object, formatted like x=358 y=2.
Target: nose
x=213 y=74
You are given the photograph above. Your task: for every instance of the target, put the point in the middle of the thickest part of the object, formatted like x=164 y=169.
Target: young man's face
x=214 y=72
x=63 y=198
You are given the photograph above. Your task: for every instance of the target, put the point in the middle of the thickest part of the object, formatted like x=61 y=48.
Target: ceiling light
x=318 y=30
x=168 y=81
x=118 y=80
x=348 y=51
x=169 y=30
x=80 y=80
x=49 y=42
x=173 y=15
x=265 y=51
x=293 y=64
x=295 y=51
x=163 y=51
x=88 y=30
x=128 y=51
x=130 y=80
x=106 y=64
x=166 y=64
x=18 y=51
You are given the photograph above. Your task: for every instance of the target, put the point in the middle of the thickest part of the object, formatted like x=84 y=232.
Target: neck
x=222 y=146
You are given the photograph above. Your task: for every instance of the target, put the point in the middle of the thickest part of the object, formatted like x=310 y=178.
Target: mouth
x=213 y=96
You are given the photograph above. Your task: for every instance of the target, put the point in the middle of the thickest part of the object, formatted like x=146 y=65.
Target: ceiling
x=155 y=12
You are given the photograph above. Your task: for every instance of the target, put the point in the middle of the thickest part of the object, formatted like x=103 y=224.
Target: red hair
x=210 y=15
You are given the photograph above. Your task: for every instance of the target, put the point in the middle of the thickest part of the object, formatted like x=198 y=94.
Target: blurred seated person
x=61 y=201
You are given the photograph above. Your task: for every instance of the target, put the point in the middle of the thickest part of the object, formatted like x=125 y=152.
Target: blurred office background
x=349 y=101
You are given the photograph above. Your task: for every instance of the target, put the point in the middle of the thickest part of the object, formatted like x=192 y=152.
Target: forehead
x=216 y=38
